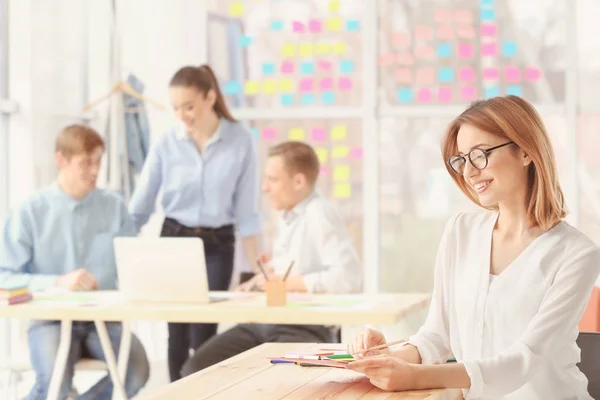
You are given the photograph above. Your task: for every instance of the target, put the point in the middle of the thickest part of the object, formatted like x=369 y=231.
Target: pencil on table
x=262 y=269
x=379 y=347
x=288 y=271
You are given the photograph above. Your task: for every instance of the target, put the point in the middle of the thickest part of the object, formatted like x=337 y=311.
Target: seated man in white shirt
x=312 y=235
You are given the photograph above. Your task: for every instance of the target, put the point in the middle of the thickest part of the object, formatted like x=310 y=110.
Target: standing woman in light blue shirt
x=208 y=175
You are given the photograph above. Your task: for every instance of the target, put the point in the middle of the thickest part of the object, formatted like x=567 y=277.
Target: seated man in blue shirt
x=63 y=237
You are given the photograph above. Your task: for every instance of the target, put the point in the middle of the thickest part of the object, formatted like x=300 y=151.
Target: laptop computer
x=162 y=269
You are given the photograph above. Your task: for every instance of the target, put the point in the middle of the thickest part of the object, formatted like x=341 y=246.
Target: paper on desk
x=55 y=298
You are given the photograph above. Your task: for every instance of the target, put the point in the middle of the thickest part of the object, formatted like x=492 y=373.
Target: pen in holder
x=276 y=293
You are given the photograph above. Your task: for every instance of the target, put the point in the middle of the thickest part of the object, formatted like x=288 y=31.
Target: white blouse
x=514 y=332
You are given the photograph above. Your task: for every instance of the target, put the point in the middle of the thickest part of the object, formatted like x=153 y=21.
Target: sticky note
x=400 y=39
x=445 y=74
x=307 y=99
x=340 y=152
x=342 y=190
x=236 y=9
x=339 y=132
x=468 y=92
x=296 y=134
x=404 y=75
x=268 y=68
x=307 y=67
x=324 y=170
x=493 y=91
x=489 y=49
x=490 y=73
x=346 y=66
x=339 y=48
x=487 y=2
x=466 y=74
x=426 y=76
x=287 y=67
x=251 y=87
x=232 y=87
x=405 y=95
x=532 y=74
x=288 y=50
x=306 y=49
x=245 y=41
x=487 y=15
x=321 y=154
x=345 y=84
x=515 y=90
x=356 y=153
x=444 y=50
x=255 y=132
x=334 y=6
x=315 y=26
x=509 y=49
x=423 y=32
x=326 y=84
x=463 y=16
x=322 y=48
x=465 y=32
x=445 y=94
x=445 y=32
x=465 y=50
x=325 y=65
x=386 y=59
x=352 y=25
x=269 y=134
x=328 y=98
x=276 y=25
x=405 y=59
x=297 y=27
x=442 y=16
x=341 y=173
x=286 y=85
x=306 y=85
x=424 y=52
x=424 y=95
x=318 y=134
x=268 y=86
x=334 y=24
x=512 y=74
x=489 y=30
x=287 y=99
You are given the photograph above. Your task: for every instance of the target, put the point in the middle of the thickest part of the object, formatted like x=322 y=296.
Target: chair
x=589 y=343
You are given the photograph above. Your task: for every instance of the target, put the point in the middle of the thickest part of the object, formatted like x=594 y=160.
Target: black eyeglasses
x=477 y=157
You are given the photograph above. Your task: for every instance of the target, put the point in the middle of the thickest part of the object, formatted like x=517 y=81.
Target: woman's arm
x=143 y=200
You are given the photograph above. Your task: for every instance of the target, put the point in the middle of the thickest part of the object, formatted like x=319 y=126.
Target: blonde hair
x=298 y=157
x=77 y=139
x=513 y=118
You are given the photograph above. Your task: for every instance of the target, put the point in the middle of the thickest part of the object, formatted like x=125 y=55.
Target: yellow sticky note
x=341 y=173
x=296 y=134
x=334 y=23
x=251 y=87
x=322 y=48
x=288 y=50
x=268 y=86
x=306 y=49
x=342 y=190
x=339 y=48
x=339 y=132
x=321 y=154
x=334 y=6
x=236 y=9
x=340 y=152
x=286 y=85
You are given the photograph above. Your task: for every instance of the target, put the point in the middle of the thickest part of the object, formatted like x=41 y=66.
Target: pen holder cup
x=276 y=293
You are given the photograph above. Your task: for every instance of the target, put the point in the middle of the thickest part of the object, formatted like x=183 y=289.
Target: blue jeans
x=44 y=338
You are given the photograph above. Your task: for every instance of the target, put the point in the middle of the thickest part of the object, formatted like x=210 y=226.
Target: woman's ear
x=525 y=158
x=211 y=97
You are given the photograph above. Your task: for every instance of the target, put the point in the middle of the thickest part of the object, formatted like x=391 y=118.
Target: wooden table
x=251 y=376
x=100 y=307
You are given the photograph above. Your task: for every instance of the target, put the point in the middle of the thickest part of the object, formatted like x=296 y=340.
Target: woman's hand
x=386 y=372
x=368 y=339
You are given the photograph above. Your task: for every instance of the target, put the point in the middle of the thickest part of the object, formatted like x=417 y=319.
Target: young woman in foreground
x=511 y=283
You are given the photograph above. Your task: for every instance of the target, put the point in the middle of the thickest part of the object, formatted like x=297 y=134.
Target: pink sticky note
x=324 y=170
x=423 y=32
x=442 y=16
x=269 y=134
x=445 y=32
x=532 y=74
x=424 y=96
x=463 y=16
x=297 y=27
x=405 y=59
x=490 y=73
x=426 y=76
x=318 y=134
x=326 y=65
x=287 y=67
x=512 y=74
x=326 y=83
x=445 y=94
x=465 y=50
x=404 y=75
x=345 y=83
x=306 y=85
x=466 y=74
x=400 y=39
x=356 y=153
x=488 y=29
x=489 y=49
x=424 y=52
x=386 y=59
x=465 y=32
x=315 y=26
x=468 y=92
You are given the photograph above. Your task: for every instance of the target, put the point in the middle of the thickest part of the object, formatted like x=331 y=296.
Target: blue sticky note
x=514 y=90
x=276 y=25
x=287 y=99
x=255 y=132
x=268 y=68
x=445 y=74
x=487 y=2
x=405 y=95
x=509 y=49
x=233 y=87
x=493 y=91
x=352 y=25
x=245 y=41
x=444 y=50
x=307 y=99
x=346 y=66
x=307 y=67
x=328 y=98
x=488 y=15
